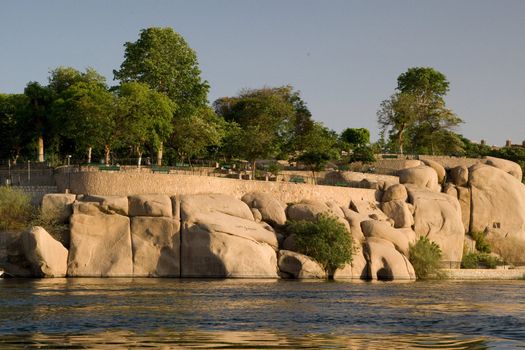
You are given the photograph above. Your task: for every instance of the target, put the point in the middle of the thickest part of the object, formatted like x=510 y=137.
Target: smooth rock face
x=422 y=176
x=464 y=203
x=309 y=210
x=272 y=211
x=385 y=262
x=498 y=201
x=47 y=256
x=115 y=203
x=369 y=209
x=355 y=219
x=395 y=192
x=438 y=217
x=399 y=212
x=58 y=205
x=381 y=229
x=100 y=244
x=299 y=266
x=459 y=175
x=218 y=244
x=357 y=269
x=438 y=168
x=150 y=205
x=220 y=203
x=506 y=165
x=156 y=246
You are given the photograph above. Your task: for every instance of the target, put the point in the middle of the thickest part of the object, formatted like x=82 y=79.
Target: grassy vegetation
x=325 y=240
x=425 y=257
x=482 y=245
x=15 y=209
x=479 y=260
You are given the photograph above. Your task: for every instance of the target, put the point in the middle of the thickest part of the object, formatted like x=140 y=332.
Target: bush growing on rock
x=477 y=260
x=425 y=257
x=15 y=209
x=50 y=221
x=482 y=245
x=326 y=240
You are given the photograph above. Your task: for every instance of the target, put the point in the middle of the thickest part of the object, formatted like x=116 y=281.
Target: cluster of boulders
x=216 y=235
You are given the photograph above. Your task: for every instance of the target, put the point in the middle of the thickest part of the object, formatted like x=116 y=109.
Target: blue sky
x=344 y=56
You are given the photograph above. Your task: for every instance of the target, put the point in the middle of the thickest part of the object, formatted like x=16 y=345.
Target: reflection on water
x=171 y=313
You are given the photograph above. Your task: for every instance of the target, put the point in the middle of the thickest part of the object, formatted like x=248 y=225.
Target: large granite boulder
x=368 y=208
x=399 y=211
x=385 y=262
x=506 y=165
x=150 y=205
x=100 y=243
x=354 y=219
x=58 y=206
x=437 y=216
x=438 y=168
x=299 y=266
x=357 y=269
x=395 y=192
x=309 y=210
x=382 y=229
x=216 y=243
x=464 y=203
x=498 y=201
x=459 y=175
x=156 y=246
x=272 y=211
x=118 y=204
x=47 y=256
x=422 y=176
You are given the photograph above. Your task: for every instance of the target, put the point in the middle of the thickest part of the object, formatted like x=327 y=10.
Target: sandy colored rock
x=399 y=212
x=58 y=205
x=150 y=205
x=450 y=189
x=299 y=266
x=309 y=210
x=381 y=229
x=289 y=243
x=385 y=262
x=220 y=203
x=370 y=209
x=100 y=243
x=459 y=175
x=438 y=168
x=335 y=209
x=47 y=256
x=355 y=219
x=118 y=204
x=498 y=201
x=506 y=165
x=422 y=176
x=218 y=244
x=464 y=203
x=155 y=243
x=357 y=269
x=257 y=216
x=272 y=211
x=438 y=217
x=395 y=192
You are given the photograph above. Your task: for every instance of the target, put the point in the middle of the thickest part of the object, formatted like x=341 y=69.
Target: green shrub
x=15 y=209
x=482 y=245
x=325 y=240
x=477 y=260
x=425 y=257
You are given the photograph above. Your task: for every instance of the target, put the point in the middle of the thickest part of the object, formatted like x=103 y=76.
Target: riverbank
x=485 y=274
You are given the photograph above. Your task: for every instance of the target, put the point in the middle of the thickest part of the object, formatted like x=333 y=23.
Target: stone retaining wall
x=486 y=274
x=125 y=184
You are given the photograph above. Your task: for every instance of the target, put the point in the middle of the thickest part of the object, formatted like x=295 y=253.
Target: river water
x=261 y=314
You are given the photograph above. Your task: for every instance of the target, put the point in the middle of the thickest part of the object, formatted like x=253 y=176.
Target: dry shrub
x=511 y=249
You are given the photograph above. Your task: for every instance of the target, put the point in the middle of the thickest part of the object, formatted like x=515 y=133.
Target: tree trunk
x=40 y=149
x=254 y=167
x=89 y=154
x=139 y=154
x=313 y=176
x=106 y=154
x=159 y=154
x=401 y=140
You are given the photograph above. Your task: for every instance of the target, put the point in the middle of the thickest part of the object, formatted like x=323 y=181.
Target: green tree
x=162 y=59
x=193 y=135
x=320 y=146
x=266 y=118
x=326 y=240
x=425 y=257
x=356 y=136
x=145 y=115
x=14 y=127
x=61 y=78
x=418 y=109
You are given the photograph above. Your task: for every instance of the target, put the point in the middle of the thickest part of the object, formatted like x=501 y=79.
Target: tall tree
x=38 y=112
x=162 y=59
x=14 y=126
x=418 y=109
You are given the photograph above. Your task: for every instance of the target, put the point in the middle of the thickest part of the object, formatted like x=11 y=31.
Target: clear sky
x=344 y=56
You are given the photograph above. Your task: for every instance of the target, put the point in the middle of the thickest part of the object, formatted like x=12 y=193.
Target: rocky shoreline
x=216 y=235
